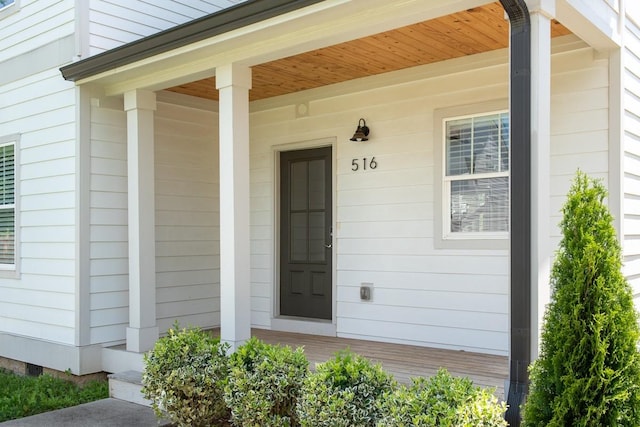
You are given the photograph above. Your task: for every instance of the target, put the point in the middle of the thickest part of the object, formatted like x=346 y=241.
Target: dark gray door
x=305 y=233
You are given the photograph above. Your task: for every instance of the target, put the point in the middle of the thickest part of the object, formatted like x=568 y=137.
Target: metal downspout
x=520 y=271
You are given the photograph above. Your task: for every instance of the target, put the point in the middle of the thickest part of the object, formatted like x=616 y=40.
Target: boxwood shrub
x=191 y=381
x=264 y=384
x=184 y=378
x=344 y=391
x=442 y=400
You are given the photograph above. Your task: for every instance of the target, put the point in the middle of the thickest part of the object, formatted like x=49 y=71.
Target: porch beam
x=142 y=332
x=233 y=82
x=595 y=22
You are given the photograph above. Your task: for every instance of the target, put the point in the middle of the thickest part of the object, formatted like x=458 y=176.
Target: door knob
x=328 y=246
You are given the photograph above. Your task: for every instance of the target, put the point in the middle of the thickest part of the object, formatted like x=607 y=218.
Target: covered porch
x=201 y=129
x=403 y=361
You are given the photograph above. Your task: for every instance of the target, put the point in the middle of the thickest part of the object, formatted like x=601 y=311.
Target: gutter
x=235 y=17
x=520 y=271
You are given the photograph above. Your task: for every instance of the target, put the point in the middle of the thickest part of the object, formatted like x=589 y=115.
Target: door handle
x=328 y=246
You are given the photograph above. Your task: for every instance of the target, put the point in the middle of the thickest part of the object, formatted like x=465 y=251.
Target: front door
x=305 y=233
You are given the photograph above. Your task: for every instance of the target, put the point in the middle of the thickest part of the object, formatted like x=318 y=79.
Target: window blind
x=477 y=173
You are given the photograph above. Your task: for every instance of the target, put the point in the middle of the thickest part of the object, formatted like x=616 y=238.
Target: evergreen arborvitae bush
x=588 y=371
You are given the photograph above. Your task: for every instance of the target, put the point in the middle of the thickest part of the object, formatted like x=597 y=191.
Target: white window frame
x=12 y=270
x=9 y=9
x=443 y=237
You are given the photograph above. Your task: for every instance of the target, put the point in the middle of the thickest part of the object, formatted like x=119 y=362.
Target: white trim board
x=304 y=326
x=61 y=357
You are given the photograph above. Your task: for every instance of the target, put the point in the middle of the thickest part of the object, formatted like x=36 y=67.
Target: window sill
x=9 y=273
x=476 y=236
x=472 y=242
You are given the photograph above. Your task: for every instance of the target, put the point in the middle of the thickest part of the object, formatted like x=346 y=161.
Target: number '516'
x=363 y=163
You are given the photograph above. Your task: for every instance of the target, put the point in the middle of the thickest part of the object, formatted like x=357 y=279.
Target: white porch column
x=617 y=129
x=233 y=83
x=142 y=332
x=541 y=15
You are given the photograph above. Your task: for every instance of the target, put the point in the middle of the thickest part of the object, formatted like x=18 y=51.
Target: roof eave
x=242 y=15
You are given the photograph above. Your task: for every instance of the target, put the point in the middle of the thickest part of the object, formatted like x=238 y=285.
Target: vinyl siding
x=39 y=106
x=631 y=147
x=109 y=265
x=38 y=22
x=605 y=7
x=579 y=125
x=384 y=231
x=40 y=302
x=261 y=232
x=187 y=231
x=115 y=22
x=187 y=216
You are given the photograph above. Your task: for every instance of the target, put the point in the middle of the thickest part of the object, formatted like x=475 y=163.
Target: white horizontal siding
x=631 y=147
x=261 y=234
x=108 y=249
x=187 y=220
x=41 y=301
x=579 y=125
x=187 y=216
x=115 y=22
x=37 y=23
x=384 y=231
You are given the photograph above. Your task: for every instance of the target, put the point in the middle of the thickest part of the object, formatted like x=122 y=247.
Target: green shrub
x=588 y=371
x=184 y=378
x=441 y=401
x=344 y=391
x=264 y=384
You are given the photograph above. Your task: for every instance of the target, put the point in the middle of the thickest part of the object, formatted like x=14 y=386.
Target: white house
x=192 y=160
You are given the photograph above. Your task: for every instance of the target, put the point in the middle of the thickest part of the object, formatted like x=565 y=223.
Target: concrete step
x=127 y=386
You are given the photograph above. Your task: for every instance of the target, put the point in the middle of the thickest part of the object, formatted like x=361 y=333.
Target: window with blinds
x=476 y=176
x=7 y=204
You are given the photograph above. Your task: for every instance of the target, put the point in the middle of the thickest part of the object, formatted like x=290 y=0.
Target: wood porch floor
x=403 y=361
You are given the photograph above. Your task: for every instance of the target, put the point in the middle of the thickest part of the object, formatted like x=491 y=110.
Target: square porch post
x=142 y=332
x=541 y=15
x=233 y=83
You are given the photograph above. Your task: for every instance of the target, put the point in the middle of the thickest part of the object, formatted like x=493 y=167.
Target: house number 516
x=364 y=164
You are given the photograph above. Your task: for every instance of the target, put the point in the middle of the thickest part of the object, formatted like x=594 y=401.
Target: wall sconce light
x=361 y=132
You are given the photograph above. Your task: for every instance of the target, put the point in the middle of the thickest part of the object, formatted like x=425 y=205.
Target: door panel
x=305 y=233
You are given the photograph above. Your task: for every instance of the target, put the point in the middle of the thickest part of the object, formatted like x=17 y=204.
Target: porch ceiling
x=472 y=31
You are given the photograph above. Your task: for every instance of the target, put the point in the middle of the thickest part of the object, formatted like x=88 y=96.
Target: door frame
x=299 y=324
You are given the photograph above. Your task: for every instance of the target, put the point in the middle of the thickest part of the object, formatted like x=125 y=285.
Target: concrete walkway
x=101 y=413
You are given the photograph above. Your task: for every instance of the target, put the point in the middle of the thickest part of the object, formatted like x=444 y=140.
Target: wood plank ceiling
x=472 y=31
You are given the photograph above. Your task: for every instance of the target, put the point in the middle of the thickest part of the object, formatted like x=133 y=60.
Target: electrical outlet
x=365 y=291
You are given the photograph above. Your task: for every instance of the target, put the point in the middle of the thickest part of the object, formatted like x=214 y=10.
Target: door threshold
x=304 y=325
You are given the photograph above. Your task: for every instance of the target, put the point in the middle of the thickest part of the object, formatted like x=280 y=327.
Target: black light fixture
x=361 y=132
